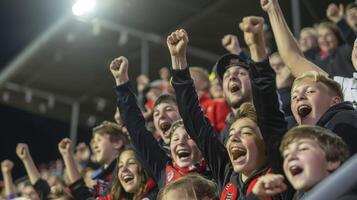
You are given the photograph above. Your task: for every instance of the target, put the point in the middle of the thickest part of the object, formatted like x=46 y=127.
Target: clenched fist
x=119 y=69
x=252 y=27
x=7 y=166
x=177 y=43
x=268 y=5
x=231 y=44
x=334 y=13
x=22 y=151
x=65 y=146
x=269 y=185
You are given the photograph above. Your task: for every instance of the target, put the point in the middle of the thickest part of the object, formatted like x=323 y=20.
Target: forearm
x=71 y=167
x=9 y=186
x=178 y=62
x=287 y=45
x=257 y=51
x=31 y=170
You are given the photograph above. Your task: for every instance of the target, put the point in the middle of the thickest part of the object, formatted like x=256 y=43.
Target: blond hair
x=246 y=110
x=333 y=87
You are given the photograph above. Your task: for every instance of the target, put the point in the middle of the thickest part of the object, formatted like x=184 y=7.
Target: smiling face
x=129 y=172
x=310 y=100
x=104 y=150
x=245 y=146
x=307 y=40
x=327 y=40
x=164 y=115
x=236 y=86
x=305 y=163
x=351 y=17
x=184 y=150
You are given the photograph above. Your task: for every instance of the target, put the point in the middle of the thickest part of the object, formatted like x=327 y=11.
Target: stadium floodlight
x=83 y=7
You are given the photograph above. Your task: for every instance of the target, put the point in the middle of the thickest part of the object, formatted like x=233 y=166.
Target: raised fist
x=177 y=43
x=268 y=5
x=231 y=44
x=65 y=146
x=252 y=27
x=119 y=69
x=334 y=13
x=6 y=166
x=22 y=151
x=269 y=185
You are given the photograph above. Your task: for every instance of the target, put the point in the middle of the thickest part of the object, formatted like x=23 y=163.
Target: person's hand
x=252 y=27
x=269 y=185
x=7 y=166
x=268 y=5
x=231 y=44
x=65 y=146
x=22 y=151
x=177 y=43
x=82 y=152
x=119 y=69
x=334 y=13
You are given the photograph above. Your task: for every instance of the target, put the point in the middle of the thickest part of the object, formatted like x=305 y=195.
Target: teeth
x=183 y=153
x=238 y=152
x=295 y=170
x=165 y=126
x=234 y=88
x=127 y=178
x=304 y=110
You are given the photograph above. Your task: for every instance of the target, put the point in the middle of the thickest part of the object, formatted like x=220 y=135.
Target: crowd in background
x=258 y=125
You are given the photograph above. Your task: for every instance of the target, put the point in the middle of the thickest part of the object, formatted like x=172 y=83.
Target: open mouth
x=238 y=152
x=127 y=178
x=295 y=170
x=234 y=88
x=182 y=154
x=304 y=110
x=165 y=126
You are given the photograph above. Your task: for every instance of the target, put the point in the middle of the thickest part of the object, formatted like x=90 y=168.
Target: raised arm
x=287 y=44
x=142 y=139
x=6 y=169
x=197 y=126
x=65 y=148
x=40 y=185
x=23 y=153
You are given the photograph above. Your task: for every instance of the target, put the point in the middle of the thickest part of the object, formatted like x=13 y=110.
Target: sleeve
x=142 y=139
x=271 y=119
x=198 y=126
x=80 y=191
x=42 y=188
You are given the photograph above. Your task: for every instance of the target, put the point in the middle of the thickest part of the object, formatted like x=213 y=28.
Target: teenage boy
x=108 y=140
x=316 y=99
x=250 y=150
x=311 y=153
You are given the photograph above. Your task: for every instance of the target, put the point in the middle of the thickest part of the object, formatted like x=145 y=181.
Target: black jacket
x=342 y=120
x=270 y=121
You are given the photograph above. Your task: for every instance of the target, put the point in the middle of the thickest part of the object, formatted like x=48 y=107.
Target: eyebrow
x=240 y=129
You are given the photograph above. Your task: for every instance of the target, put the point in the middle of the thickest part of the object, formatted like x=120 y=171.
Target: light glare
x=83 y=6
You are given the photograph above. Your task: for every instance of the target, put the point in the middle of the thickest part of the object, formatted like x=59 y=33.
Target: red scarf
x=174 y=172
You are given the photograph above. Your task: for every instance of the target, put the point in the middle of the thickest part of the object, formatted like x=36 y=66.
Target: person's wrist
x=121 y=81
x=179 y=61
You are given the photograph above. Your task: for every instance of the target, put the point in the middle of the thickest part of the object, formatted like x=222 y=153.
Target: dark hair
x=350 y=6
x=117 y=191
x=113 y=130
x=332 y=144
x=165 y=98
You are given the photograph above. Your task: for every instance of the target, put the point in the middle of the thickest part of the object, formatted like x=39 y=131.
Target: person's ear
x=336 y=100
x=333 y=165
